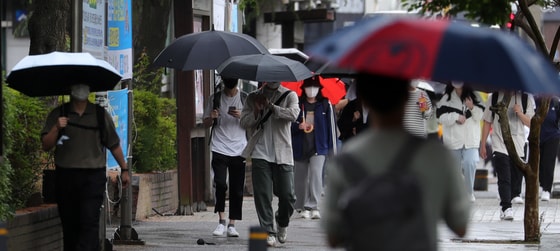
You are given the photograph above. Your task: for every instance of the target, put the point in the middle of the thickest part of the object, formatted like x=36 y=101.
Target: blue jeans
x=468 y=159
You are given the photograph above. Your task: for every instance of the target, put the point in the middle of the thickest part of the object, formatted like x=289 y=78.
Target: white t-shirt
x=228 y=137
x=516 y=126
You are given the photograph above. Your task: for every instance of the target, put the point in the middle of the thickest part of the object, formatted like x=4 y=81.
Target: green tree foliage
x=154 y=146
x=147 y=78
x=484 y=11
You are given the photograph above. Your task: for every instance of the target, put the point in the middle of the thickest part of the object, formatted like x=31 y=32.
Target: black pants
x=79 y=195
x=235 y=167
x=549 y=149
x=509 y=178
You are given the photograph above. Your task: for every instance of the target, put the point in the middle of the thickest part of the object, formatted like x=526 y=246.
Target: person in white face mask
x=80 y=132
x=312 y=140
x=267 y=116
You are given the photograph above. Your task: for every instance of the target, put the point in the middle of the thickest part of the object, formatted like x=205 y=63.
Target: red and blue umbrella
x=439 y=50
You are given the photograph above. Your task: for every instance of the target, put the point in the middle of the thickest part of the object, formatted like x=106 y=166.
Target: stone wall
x=35 y=228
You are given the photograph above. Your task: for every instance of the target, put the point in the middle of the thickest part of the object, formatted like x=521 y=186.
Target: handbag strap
x=400 y=163
x=267 y=115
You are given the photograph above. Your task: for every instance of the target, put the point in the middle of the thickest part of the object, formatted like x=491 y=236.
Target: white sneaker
x=282 y=234
x=231 y=232
x=506 y=215
x=220 y=229
x=305 y=214
x=517 y=200
x=545 y=196
x=315 y=214
x=271 y=241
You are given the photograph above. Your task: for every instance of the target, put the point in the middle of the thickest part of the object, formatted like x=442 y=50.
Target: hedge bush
x=154 y=147
x=24 y=160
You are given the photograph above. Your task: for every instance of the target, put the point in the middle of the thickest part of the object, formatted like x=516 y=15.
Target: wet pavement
x=486 y=230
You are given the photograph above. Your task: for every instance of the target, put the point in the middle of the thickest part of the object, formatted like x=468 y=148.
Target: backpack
x=524 y=98
x=384 y=210
x=99 y=113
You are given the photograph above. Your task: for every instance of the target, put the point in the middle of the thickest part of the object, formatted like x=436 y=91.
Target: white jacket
x=457 y=136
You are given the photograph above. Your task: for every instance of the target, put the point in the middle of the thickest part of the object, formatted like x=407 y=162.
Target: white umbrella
x=53 y=73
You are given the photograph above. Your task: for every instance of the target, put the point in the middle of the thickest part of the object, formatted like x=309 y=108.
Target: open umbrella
x=439 y=50
x=207 y=50
x=333 y=88
x=53 y=73
x=264 y=68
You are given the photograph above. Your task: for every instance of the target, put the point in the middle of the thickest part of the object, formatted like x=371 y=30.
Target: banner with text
x=119 y=39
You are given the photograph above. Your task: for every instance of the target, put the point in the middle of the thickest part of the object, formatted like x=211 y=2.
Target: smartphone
x=232 y=108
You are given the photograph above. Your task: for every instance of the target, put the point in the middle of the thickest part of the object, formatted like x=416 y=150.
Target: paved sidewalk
x=486 y=231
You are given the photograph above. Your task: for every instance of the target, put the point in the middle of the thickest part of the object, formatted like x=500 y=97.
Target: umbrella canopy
x=53 y=73
x=439 y=50
x=207 y=50
x=264 y=68
x=333 y=88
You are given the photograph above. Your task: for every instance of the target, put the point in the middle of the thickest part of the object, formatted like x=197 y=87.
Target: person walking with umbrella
x=312 y=140
x=267 y=115
x=223 y=113
x=79 y=132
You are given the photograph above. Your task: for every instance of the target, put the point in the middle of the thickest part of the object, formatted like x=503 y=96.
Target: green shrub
x=154 y=145
x=23 y=120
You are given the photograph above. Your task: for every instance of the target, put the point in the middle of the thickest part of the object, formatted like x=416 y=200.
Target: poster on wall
x=198 y=80
x=116 y=104
x=93 y=28
x=218 y=13
x=119 y=36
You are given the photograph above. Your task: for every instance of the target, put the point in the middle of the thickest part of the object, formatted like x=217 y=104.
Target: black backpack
x=99 y=113
x=524 y=98
x=385 y=210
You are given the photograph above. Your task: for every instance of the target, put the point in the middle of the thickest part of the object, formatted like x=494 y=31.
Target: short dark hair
x=229 y=81
x=381 y=93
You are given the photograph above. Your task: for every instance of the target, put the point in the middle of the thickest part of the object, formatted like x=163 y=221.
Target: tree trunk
x=530 y=169
x=48 y=25
x=151 y=20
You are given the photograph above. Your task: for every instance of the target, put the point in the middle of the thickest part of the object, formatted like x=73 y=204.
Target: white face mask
x=457 y=84
x=311 y=91
x=79 y=92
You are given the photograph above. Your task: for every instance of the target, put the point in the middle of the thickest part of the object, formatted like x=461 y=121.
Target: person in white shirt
x=418 y=109
x=228 y=140
x=519 y=115
x=460 y=112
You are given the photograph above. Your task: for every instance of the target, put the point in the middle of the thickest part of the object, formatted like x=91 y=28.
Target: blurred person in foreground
x=80 y=141
x=442 y=188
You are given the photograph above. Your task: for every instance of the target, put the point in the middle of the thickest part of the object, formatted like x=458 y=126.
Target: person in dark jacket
x=550 y=137
x=312 y=140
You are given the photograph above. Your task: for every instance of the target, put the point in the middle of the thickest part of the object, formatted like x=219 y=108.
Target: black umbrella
x=53 y=73
x=264 y=68
x=207 y=50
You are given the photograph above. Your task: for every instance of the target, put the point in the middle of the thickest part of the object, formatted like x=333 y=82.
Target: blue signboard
x=117 y=106
x=119 y=36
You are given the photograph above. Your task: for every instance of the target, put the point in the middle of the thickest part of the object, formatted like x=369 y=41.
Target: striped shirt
x=414 y=120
